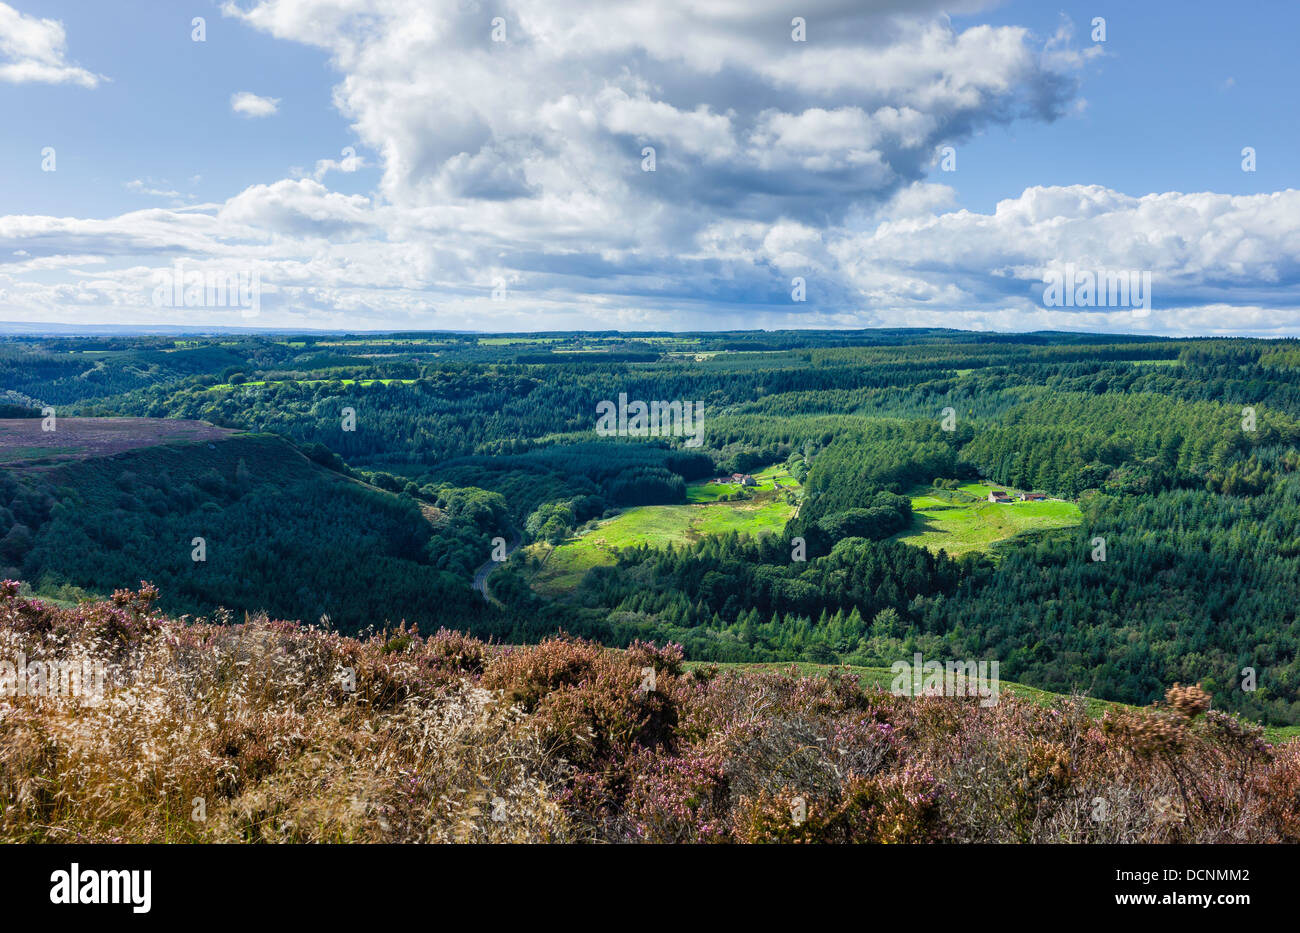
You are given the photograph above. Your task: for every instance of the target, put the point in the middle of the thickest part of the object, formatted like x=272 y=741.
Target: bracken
x=268 y=731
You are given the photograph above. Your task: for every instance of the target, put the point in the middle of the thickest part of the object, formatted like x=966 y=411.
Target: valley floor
x=766 y=512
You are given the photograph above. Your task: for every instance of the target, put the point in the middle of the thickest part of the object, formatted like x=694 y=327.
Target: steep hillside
x=241 y=521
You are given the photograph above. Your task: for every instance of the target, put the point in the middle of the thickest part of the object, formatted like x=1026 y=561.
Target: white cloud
x=557 y=115
x=248 y=104
x=1202 y=250
x=522 y=160
x=301 y=207
x=698 y=132
x=918 y=199
x=350 y=163
x=1219 y=264
x=34 y=51
x=151 y=188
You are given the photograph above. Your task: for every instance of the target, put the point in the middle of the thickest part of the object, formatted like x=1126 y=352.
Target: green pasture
x=963 y=520
x=766 y=512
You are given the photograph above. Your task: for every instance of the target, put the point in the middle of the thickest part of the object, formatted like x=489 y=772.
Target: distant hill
x=34 y=443
x=40 y=328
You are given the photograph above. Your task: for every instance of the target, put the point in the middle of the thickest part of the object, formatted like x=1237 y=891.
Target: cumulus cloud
x=1200 y=249
x=248 y=104
x=34 y=51
x=743 y=120
x=527 y=156
x=303 y=208
x=328 y=255
x=351 y=162
x=525 y=161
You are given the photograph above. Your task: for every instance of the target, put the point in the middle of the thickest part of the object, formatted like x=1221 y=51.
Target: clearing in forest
x=962 y=520
x=765 y=511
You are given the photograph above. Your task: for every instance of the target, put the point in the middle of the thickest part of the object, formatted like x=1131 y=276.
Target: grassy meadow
x=765 y=512
x=963 y=520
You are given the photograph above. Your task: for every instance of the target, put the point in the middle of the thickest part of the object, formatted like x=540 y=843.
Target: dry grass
x=247 y=733
x=270 y=732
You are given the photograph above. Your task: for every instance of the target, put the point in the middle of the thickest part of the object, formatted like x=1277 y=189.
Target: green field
x=661 y=525
x=513 y=341
x=767 y=479
x=307 y=382
x=963 y=520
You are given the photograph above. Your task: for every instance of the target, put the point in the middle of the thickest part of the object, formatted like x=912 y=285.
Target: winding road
x=481 y=575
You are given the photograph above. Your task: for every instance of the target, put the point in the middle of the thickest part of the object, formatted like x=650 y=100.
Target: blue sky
x=1182 y=89
x=501 y=185
x=164 y=111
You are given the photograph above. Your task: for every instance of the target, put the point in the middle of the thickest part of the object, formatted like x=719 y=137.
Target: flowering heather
x=268 y=731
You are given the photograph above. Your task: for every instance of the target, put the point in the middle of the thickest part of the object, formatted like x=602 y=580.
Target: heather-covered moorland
x=267 y=731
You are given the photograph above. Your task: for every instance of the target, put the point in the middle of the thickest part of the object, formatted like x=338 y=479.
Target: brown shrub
x=271 y=731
